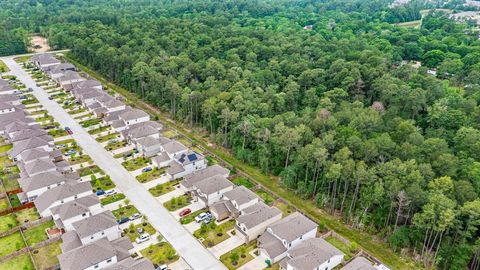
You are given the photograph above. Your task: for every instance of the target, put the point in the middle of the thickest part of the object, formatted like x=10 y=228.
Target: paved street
x=184 y=243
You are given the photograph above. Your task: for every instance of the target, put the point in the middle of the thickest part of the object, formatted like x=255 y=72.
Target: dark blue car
x=100 y=192
x=122 y=220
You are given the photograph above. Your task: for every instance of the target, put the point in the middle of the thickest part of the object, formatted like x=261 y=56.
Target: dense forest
x=338 y=111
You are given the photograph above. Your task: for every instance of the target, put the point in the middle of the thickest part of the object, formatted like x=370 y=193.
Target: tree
x=433 y=58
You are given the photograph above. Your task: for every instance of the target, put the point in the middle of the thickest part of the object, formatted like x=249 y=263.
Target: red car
x=68 y=130
x=185 y=212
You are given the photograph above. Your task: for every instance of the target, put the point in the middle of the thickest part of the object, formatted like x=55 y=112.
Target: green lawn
x=27 y=215
x=7 y=222
x=14 y=201
x=161 y=253
x=11 y=243
x=285 y=208
x=169 y=134
x=22 y=59
x=131 y=231
x=10 y=183
x=369 y=243
x=341 y=246
x=177 y=202
x=191 y=217
x=47 y=256
x=22 y=262
x=4 y=160
x=79 y=110
x=5 y=148
x=115 y=146
x=111 y=199
x=102 y=183
x=164 y=188
x=84 y=116
x=37 y=234
x=98 y=130
x=29 y=101
x=3 y=204
x=58 y=132
x=90 y=122
x=89 y=170
x=125 y=211
x=38 y=112
x=47 y=118
x=151 y=175
x=243 y=254
x=107 y=137
x=3 y=67
x=67 y=141
x=267 y=198
x=211 y=161
x=77 y=159
x=136 y=163
x=213 y=234
x=242 y=181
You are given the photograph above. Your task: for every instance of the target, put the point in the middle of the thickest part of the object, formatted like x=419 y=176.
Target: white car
x=162 y=267
x=201 y=217
x=110 y=192
x=142 y=238
x=135 y=216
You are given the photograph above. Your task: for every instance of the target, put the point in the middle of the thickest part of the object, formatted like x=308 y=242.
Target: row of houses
x=91 y=237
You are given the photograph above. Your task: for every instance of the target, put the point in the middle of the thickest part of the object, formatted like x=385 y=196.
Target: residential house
x=185 y=164
x=45 y=61
x=29 y=144
x=197 y=176
x=284 y=235
x=313 y=253
x=67 y=192
x=65 y=215
x=96 y=255
x=149 y=146
x=38 y=184
x=161 y=160
x=359 y=263
x=11 y=98
x=8 y=90
x=111 y=104
x=36 y=167
x=57 y=71
x=233 y=202
x=87 y=96
x=254 y=219
x=88 y=84
x=101 y=225
x=133 y=135
x=68 y=78
x=115 y=115
x=131 y=264
x=27 y=133
x=134 y=116
x=210 y=190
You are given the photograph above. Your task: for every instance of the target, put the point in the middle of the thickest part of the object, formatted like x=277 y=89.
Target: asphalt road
x=186 y=245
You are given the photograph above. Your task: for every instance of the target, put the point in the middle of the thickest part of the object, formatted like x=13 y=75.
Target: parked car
x=48 y=127
x=135 y=216
x=51 y=98
x=100 y=192
x=30 y=89
x=142 y=238
x=201 y=217
x=185 y=212
x=68 y=130
x=111 y=192
x=147 y=169
x=128 y=154
x=135 y=150
x=162 y=267
x=140 y=230
x=122 y=220
x=208 y=220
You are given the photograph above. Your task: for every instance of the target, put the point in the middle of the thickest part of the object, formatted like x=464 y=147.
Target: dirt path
x=39 y=44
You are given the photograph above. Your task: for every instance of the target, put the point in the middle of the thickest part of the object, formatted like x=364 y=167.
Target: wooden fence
x=16 y=208
x=26 y=226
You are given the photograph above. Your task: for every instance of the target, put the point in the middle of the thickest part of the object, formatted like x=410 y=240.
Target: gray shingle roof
x=94 y=224
x=27 y=133
x=213 y=184
x=202 y=174
x=39 y=165
x=173 y=147
x=131 y=264
x=272 y=245
x=33 y=154
x=292 y=226
x=259 y=213
x=69 y=189
x=118 y=123
x=93 y=253
x=174 y=168
x=142 y=132
x=133 y=114
x=60 y=68
x=359 y=263
x=69 y=75
x=16 y=125
x=41 y=180
x=76 y=207
x=162 y=157
x=241 y=195
x=311 y=253
x=87 y=84
x=148 y=142
x=27 y=144
x=70 y=240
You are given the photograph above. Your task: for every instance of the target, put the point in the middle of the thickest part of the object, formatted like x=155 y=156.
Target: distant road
x=187 y=246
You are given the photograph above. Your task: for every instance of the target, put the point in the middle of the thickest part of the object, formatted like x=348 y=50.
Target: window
x=103 y=233
x=61 y=201
x=75 y=196
x=109 y=260
x=84 y=214
x=91 y=237
x=96 y=266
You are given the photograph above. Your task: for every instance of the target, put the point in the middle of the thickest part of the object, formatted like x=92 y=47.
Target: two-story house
x=38 y=184
x=189 y=180
x=67 y=192
x=101 y=225
x=254 y=219
x=66 y=214
x=185 y=164
x=210 y=190
x=233 y=202
x=134 y=116
x=313 y=253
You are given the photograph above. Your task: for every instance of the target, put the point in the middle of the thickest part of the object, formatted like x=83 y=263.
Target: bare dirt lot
x=39 y=44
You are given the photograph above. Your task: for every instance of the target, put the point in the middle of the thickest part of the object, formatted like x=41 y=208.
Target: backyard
x=348 y=250
x=7 y=222
x=164 y=188
x=177 y=202
x=11 y=243
x=37 y=234
x=242 y=181
x=136 y=163
x=212 y=234
x=5 y=148
x=161 y=253
x=22 y=262
x=151 y=175
x=47 y=256
x=27 y=215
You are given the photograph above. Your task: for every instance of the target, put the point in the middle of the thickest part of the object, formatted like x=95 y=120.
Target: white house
x=65 y=215
x=233 y=202
x=313 y=253
x=210 y=190
x=254 y=219
x=68 y=78
x=58 y=70
x=67 y=192
x=134 y=116
x=88 y=84
x=45 y=61
x=189 y=180
x=93 y=228
x=185 y=164
x=284 y=235
x=35 y=186
x=359 y=263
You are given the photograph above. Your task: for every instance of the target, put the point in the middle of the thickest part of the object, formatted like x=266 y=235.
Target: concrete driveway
x=168 y=196
x=257 y=263
x=192 y=226
x=225 y=246
x=182 y=241
x=193 y=206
